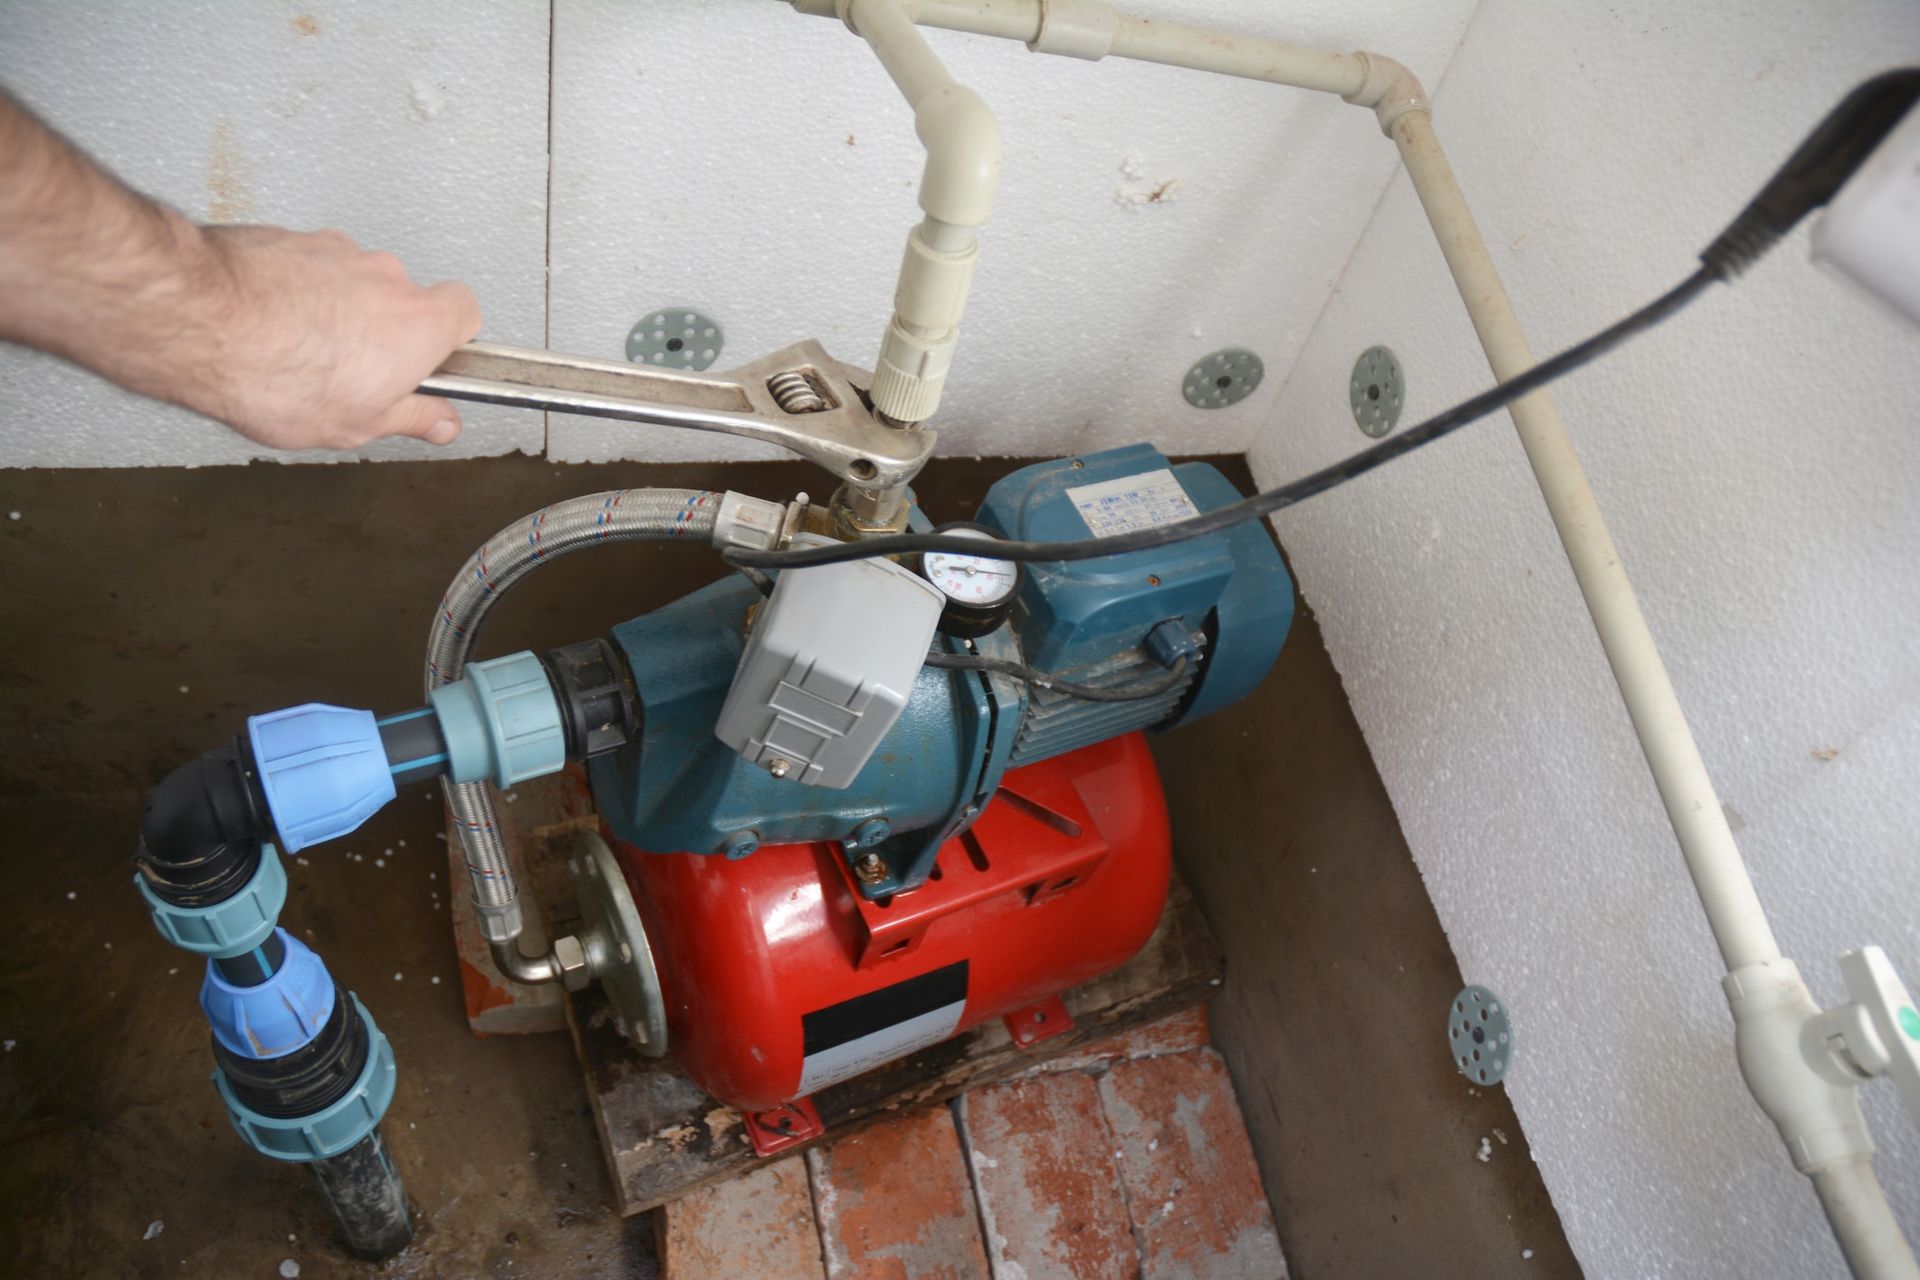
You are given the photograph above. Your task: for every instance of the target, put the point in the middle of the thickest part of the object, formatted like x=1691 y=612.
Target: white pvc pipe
x=1012 y=20
x=1733 y=908
x=956 y=193
x=1863 y=1221
x=914 y=67
x=1249 y=57
x=1142 y=39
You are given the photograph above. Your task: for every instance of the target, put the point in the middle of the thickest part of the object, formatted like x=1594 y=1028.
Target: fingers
x=458 y=311
x=426 y=418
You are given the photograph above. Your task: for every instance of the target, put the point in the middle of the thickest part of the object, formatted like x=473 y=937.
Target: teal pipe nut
x=230 y=928
x=501 y=722
x=301 y=1139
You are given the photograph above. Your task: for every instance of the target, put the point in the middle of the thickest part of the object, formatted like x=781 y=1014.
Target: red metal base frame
x=1037 y=1022
x=784 y=1126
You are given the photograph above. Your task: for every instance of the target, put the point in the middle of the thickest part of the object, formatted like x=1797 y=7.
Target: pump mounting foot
x=784 y=1126
x=1041 y=1021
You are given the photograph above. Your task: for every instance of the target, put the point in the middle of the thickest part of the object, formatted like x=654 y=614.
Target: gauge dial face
x=968 y=579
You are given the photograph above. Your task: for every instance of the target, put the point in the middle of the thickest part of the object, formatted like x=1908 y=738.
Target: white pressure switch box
x=829 y=666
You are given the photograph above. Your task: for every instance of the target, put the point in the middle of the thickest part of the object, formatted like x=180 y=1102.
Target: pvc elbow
x=963 y=155
x=1390 y=89
x=1789 y=1070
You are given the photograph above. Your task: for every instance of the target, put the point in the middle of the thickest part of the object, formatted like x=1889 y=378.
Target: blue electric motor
x=1224 y=601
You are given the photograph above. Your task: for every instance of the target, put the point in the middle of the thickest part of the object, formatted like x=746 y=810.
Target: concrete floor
x=147 y=613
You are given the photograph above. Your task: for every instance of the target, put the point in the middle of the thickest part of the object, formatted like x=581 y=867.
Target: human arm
x=295 y=340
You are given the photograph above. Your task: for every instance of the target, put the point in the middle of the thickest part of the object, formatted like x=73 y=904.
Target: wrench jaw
x=799 y=398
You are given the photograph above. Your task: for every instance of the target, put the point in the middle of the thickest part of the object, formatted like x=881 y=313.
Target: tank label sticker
x=845 y=1039
x=1130 y=503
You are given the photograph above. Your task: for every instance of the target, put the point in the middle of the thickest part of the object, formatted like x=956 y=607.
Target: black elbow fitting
x=200 y=834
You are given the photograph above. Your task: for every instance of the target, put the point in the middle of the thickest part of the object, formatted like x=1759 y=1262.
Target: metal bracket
x=787 y=1125
x=1037 y=1022
x=841 y=434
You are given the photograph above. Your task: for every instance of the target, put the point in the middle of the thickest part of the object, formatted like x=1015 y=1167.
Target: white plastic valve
x=1894 y=1047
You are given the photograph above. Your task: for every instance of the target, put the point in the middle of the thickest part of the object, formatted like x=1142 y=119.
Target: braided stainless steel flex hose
x=620 y=515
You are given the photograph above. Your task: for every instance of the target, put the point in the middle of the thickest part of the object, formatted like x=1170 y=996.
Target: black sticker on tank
x=845 y=1039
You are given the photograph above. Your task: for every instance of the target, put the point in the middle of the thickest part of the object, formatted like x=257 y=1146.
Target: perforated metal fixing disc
x=1479 y=1036
x=1226 y=377
x=675 y=338
x=1377 y=390
x=616 y=943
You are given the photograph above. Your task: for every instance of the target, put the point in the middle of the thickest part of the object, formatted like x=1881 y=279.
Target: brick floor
x=759 y=1226
x=894 y=1202
x=1194 y=1192
x=1136 y=1166
x=1044 y=1169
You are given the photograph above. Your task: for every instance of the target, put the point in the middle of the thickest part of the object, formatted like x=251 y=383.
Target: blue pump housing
x=1073 y=617
x=1228 y=594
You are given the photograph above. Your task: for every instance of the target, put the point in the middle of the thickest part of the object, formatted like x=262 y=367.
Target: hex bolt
x=870 y=869
x=570 y=957
x=870 y=833
x=740 y=844
x=779 y=767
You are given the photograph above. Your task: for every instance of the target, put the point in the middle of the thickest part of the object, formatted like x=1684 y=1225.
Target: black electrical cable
x=1041 y=680
x=1812 y=175
x=1261 y=504
x=1816 y=170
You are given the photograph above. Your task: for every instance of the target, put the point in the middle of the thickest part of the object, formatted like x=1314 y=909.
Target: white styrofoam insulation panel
x=758 y=165
x=1757 y=461
x=418 y=128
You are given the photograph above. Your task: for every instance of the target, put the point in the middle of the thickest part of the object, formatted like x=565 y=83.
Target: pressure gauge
x=979 y=589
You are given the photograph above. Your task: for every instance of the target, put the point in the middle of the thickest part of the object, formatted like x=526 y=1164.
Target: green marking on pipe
x=1910 y=1021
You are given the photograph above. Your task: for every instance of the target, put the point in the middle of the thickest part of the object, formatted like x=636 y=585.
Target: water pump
x=845 y=811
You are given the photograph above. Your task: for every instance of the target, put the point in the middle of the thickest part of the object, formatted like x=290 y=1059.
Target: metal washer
x=1225 y=377
x=675 y=338
x=616 y=943
x=1479 y=1036
x=1377 y=390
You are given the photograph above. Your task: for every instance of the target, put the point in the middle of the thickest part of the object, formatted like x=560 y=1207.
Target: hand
x=319 y=343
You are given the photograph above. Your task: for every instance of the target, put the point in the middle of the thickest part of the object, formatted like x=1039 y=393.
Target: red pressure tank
x=780 y=980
